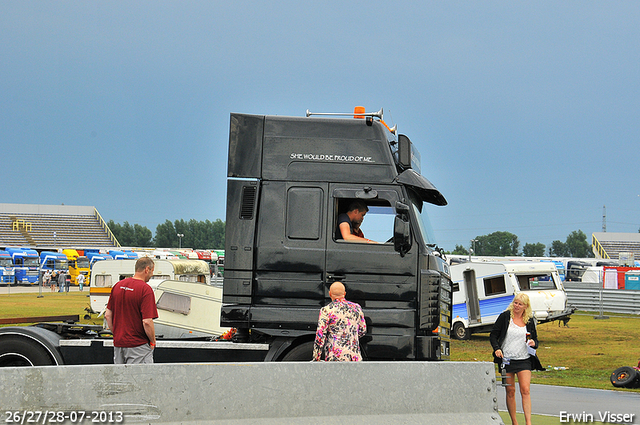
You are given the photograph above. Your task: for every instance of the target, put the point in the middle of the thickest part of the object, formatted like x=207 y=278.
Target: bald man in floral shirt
x=340 y=326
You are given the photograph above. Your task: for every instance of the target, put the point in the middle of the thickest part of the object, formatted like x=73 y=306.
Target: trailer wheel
x=460 y=332
x=17 y=351
x=624 y=376
x=300 y=353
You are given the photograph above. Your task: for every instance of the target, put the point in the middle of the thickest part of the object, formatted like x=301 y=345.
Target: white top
x=514 y=346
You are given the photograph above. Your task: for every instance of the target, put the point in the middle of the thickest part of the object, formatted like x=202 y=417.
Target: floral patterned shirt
x=340 y=326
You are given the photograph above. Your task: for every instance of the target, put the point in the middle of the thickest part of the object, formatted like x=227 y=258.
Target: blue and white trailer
x=95 y=255
x=7 y=272
x=26 y=265
x=123 y=255
x=484 y=290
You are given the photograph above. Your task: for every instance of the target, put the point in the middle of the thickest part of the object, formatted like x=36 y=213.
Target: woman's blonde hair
x=524 y=299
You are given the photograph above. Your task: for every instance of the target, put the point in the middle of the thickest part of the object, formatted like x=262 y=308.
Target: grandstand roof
x=53 y=226
x=616 y=237
x=615 y=243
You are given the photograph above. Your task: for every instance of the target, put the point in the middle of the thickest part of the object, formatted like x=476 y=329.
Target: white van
x=484 y=290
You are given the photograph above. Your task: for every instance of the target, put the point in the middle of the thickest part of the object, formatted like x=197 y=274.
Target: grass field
x=588 y=349
x=51 y=304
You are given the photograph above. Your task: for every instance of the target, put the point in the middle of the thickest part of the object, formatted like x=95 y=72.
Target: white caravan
x=188 y=305
x=484 y=290
x=105 y=274
x=188 y=310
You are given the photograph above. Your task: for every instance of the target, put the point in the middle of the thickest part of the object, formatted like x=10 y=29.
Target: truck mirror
x=401 y=236
x=404 y=151
x=402 y=208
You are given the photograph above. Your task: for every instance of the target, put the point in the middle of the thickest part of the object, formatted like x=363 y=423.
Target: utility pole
x=604 y=218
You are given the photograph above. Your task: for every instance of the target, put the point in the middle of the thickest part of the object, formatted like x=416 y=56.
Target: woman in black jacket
x=512 y=338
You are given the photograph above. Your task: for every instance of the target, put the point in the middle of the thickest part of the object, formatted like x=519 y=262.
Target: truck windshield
x=62 y=265
x=83 y=263
x=423 y=219
x=5 y=262
x=31 y=262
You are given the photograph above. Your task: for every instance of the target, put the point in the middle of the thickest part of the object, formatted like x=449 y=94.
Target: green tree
x=129 y=235
x=460 y=250
x=499 y=244
x=166 y=235
x=533 y=249
x=143 y=236
x=558 y=249
x=197 y=234
x=577 y=245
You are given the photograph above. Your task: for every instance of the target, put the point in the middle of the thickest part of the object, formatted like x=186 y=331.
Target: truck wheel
x=460 y=332
x=300 y=353
x=624 y=376
x=16 y=351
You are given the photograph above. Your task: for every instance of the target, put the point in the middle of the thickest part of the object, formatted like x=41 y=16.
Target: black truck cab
x=288 y=180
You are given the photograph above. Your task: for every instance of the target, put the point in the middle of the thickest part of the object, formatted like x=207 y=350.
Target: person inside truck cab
x=350 y=221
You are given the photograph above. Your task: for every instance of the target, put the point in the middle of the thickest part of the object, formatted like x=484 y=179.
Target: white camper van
x=484 y=290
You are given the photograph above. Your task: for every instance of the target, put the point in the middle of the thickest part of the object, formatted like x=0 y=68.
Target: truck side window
x=304 y=212
x=378 y=221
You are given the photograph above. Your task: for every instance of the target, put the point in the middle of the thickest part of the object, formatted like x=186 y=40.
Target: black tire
x=300 y=353
x=460 y=332
x=19 y=351
x=624 y=376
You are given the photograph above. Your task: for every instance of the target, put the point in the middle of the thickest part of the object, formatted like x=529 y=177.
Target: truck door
x=376 y=276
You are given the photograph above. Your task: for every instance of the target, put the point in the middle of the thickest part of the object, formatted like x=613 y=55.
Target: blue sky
x=526 y=113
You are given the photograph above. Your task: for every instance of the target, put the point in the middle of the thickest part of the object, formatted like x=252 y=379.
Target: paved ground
x=551 y=400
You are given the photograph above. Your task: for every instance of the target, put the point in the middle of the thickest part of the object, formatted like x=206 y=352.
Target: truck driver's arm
x=345 y=231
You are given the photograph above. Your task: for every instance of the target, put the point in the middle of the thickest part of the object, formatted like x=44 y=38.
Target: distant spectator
x=62 y=281
x=46 y=278
x=80 y=281
x=54 y=279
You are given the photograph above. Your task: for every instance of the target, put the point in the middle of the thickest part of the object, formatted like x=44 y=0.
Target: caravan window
x=536 y=282
x=494 y=285
x=175 y=303
x=103 y=281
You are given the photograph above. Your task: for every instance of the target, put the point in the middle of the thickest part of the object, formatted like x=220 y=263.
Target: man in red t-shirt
x=130 y=313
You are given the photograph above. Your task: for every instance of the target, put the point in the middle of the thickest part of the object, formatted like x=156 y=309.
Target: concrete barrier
x=283 y=393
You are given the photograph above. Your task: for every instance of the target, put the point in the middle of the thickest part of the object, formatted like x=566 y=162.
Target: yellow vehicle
x=78 y=264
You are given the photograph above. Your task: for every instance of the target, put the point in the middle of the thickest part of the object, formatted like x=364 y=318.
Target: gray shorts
x=133 y=355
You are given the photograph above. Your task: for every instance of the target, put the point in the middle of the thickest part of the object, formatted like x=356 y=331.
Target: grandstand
x=609 y=245
x=53 y=226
